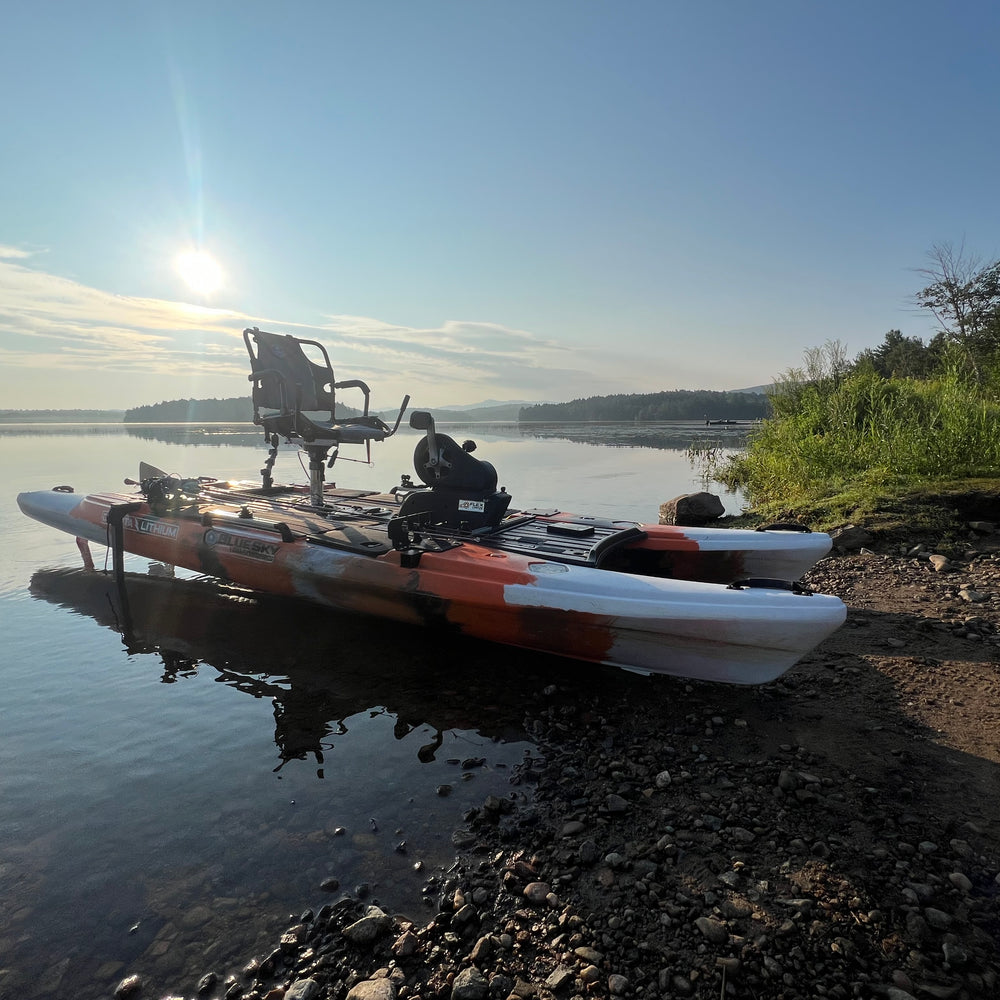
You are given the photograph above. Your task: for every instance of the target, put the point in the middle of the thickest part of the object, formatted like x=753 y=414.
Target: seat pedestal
x=317 y=471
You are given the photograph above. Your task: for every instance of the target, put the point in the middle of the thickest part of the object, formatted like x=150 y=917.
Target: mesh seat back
x=287 y=379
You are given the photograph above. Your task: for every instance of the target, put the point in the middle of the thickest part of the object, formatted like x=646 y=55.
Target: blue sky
x=470 y=200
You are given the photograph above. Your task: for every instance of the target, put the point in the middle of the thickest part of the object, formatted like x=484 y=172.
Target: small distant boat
x=449 y=552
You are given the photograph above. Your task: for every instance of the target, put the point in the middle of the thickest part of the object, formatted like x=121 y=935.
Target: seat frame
x=295 y=397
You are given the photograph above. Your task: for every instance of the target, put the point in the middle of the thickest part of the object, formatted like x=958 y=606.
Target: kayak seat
x=462 y=492
x=294 y=396
x=454 y=467
x=454 y=509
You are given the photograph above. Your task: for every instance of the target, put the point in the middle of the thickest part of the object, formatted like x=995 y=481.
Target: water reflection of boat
x=255 y=644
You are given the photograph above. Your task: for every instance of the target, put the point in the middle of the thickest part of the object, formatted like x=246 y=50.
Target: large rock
x=712 y=929
x=469 y=985
x=369 y=928
x=302 y=989
x=850 y=538
x=691 y=509
x=129 y=987
x=373 y=989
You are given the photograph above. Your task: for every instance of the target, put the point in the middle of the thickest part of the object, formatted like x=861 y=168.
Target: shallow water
x=168 y=797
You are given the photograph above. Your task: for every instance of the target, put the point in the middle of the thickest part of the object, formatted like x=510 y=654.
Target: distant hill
x=679 y=404
x=500 y=412
x=759 y=389
x=490 y=409
x=477 y=413
x=487 y=403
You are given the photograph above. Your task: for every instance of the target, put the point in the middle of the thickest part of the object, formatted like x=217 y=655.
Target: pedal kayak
x=582 y=587
x=447 y=551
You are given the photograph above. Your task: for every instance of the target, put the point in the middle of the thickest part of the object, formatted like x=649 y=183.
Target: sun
x=200 y=271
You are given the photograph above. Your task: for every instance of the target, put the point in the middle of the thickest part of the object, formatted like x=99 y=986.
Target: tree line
x=233 y=410
x=61 y=416
x=963 y=295
x=236 y=409
x=678 y=404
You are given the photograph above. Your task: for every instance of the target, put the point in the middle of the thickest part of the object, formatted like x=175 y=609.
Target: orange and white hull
x=526 y=594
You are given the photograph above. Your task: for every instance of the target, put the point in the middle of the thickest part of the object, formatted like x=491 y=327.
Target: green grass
x=849 y=447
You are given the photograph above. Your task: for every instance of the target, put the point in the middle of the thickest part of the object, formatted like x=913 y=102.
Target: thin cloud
x=56 y=324
x=457 y=350
x=15 y=253
x=48 y=320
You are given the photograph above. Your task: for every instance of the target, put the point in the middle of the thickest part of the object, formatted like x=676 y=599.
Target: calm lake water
x=167 y=802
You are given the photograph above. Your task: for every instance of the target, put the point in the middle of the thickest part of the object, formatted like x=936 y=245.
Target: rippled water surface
x=169 y=796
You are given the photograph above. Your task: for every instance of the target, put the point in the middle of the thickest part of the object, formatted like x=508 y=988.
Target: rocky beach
x=833 y=834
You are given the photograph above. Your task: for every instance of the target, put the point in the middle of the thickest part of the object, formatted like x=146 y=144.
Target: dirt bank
x=834 y=834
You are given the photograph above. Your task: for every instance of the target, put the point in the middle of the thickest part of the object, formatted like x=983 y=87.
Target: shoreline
x=835 y=833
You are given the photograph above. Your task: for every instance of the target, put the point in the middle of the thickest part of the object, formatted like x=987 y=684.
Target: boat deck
x=357 y=521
